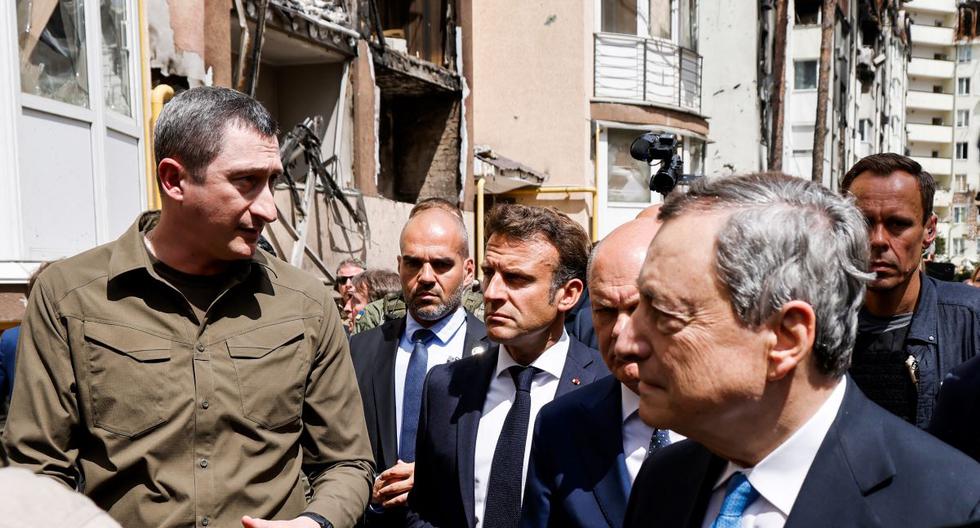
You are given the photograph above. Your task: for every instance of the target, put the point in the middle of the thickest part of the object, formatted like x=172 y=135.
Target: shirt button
x=205 y=521
x=204 y=462
x=200 y=347
x=205 y=404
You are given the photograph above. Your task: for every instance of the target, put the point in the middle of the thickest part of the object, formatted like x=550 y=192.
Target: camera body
x=663 y=148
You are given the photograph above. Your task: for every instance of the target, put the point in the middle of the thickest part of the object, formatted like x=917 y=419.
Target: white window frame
x=962 y=86
x=816 y=66
x=962 y=118
x=14 y=268
x=965 y=148
x=964 y=53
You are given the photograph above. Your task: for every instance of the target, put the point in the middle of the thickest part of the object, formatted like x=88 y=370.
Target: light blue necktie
x=412 y=396
x=739 y=495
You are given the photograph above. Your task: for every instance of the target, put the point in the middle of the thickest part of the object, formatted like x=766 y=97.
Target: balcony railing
x=929 y=100
x=935 y=166
x=931 y=68
x=636 y=69
x=936 y=36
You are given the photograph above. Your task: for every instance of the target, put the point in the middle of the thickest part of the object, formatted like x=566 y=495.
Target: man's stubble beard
x=436 y=312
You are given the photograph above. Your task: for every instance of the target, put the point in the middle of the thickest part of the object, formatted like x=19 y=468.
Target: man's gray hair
x=191 y=128
x=787 y=239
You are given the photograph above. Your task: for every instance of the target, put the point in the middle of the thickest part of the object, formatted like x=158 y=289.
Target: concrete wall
x=728 y=43
x=532 y=80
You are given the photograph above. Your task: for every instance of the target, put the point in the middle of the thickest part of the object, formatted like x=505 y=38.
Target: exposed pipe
x=481 y=184
x=158 y=97
x=152 y=193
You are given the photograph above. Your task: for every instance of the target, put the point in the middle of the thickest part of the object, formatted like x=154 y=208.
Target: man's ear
x=567 y=296
x=930 y=231
x=470 y=271
x=170 y=172
x=794 y=328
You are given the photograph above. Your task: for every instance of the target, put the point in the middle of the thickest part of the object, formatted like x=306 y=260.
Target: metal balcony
x=633 y=69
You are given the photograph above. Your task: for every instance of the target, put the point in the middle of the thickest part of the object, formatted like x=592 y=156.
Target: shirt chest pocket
x=130 y=375
x=271 y=364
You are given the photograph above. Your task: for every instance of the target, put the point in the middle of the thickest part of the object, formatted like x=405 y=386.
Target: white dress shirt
x=636 y=434
x=447 y=346
x=500 y=397
x=779 y=477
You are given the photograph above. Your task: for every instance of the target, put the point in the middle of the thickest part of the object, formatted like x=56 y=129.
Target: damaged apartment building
x=368 y=96
x=764 y=99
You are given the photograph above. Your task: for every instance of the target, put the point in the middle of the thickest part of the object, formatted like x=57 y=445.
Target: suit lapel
x=854 y=447
x=576 y=371
x=384 y=390
x=469 y=409
x=605 y=426
x=476 y=336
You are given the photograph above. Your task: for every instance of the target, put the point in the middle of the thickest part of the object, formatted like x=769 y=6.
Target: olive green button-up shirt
x=170 y=421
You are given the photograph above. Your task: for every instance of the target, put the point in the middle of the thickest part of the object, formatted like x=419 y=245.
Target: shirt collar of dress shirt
x=551 y=360
x=779 y=477
x=444 y=329
x=631 y=402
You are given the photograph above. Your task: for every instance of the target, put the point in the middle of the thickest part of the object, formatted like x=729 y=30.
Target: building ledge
x=398 y=73
x=285 y=17
x=649 y=114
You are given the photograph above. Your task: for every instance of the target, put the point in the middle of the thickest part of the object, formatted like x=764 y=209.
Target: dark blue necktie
x=659 y=439
x=503 y=505
x=412 y=397
x=738 y=497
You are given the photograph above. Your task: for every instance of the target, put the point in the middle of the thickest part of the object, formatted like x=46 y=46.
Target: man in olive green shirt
x=178 y=374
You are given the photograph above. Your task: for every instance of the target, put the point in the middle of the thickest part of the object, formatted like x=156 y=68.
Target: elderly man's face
x=697 y=364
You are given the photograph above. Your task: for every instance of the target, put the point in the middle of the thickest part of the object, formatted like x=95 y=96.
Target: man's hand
x=391 y=487
x=299 y=522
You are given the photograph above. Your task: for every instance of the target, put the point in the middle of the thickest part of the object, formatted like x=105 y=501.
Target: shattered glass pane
x=51 y=37
x=116 y=57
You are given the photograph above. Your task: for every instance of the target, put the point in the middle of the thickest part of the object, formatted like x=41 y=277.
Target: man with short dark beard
x=392 y=360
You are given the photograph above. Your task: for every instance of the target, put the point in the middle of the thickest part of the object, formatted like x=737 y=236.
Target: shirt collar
x=780 y=475
x=444 y=329
x=130 y=252
x=551 y=360
x=631 y=402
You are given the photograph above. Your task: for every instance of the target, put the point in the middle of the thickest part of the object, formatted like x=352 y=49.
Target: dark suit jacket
x=373 y=353
x=452 y=405
x=872 y=469
x=956 y=419
x=577 y=473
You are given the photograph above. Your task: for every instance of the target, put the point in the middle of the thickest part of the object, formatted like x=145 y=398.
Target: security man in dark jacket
x=913 y=329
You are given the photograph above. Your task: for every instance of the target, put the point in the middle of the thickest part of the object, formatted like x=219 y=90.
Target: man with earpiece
x=912 y=329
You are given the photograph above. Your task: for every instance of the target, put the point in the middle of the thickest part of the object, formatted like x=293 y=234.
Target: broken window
x=961 y=150
x=963 y=86
x=417 y=27
x=807 y=12
x=805 y=75
x=962 y=118
x=51 y=38
x=115 y=56
x=419 y=147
